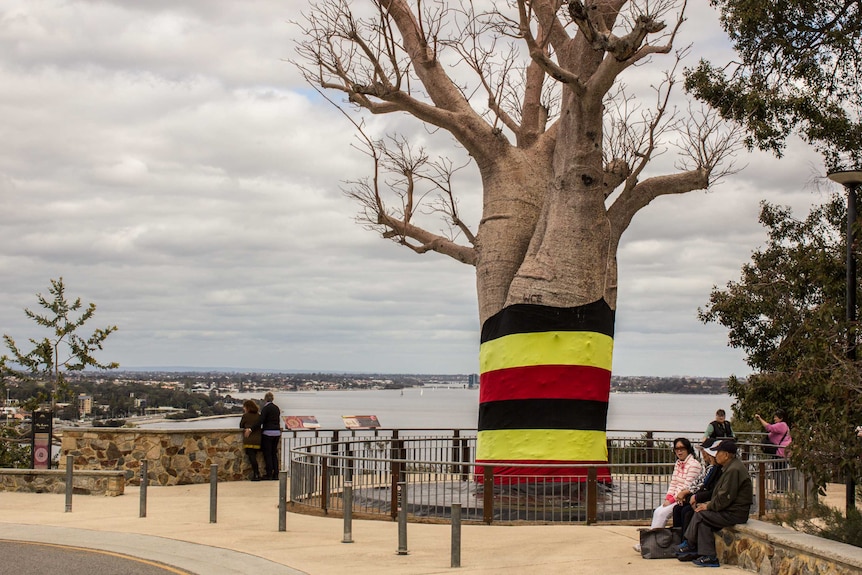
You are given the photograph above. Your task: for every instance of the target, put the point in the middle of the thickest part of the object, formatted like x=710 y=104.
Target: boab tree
x=562 y=150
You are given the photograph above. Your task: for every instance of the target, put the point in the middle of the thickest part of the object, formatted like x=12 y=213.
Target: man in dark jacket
x=729 y=505
x=270 y=424
x=719 y=428
x=682 y=514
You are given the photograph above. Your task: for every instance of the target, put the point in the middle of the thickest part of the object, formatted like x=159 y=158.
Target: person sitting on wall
x=730 y=504
x=686 y=471
x=719 y=428
x=702 y=491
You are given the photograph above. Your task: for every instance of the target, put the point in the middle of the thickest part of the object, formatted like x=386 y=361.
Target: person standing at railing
x=719 y=428
x=270 y=426
x=778 y=438
x=778 y=433
x=251 y=439
x=686 y=471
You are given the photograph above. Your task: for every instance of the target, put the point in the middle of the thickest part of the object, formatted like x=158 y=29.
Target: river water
x=451 y=407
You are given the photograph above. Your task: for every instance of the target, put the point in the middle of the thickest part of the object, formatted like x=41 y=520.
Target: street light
x=851 y=180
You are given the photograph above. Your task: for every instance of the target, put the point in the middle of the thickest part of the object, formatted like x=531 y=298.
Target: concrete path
x=177 y=534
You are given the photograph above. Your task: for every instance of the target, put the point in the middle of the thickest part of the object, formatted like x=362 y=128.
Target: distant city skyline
x=171 y=165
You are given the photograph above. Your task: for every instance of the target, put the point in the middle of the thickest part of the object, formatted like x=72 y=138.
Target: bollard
x=282 y=500
x=348 y=512
x=144 y=481
x=213 y=492
x=69 y=484
x=402 y=519
x=456 y=535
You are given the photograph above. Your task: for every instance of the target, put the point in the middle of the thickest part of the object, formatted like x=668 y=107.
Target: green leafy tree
x=798 y=69
x=787 y=314
x=14 y=449
x=65 y=350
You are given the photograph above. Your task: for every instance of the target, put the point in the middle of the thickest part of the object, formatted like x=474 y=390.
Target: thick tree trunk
x=546 y=355
x=544 y=387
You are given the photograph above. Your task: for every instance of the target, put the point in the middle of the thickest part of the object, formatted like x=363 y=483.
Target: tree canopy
x=787 y=313
x=799 y=71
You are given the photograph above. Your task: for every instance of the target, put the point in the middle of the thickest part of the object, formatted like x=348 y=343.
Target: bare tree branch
x=532 y=90
x=708 y=147
x=414 y=180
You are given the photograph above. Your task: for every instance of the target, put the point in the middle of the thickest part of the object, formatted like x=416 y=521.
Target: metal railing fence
x=430 y=472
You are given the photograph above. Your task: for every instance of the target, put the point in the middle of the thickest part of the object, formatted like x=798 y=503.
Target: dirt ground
x=835 y=496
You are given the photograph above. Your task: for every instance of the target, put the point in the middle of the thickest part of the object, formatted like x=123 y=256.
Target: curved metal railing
x=427 y=471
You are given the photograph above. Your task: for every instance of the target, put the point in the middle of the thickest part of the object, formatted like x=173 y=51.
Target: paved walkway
x=176 y=537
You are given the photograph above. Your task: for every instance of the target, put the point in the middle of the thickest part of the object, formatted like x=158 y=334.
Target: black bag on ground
x=660 y=543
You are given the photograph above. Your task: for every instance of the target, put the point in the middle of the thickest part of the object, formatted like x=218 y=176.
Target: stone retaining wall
x=174 y=457
x=770 y=549
x=111 y=483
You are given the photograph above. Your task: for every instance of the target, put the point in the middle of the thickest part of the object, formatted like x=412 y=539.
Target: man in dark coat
x=730 y=504
x=270 y=424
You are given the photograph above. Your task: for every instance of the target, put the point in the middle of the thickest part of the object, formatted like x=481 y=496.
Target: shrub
x=14 y=454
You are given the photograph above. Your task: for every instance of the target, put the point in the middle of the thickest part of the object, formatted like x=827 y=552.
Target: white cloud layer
x=167 y=161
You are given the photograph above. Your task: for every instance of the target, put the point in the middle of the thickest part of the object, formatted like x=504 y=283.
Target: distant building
x=472 y=380
x=85 y=405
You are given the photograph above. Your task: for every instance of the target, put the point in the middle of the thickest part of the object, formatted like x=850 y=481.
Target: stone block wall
x=174 y=457
x=54 y=481
x=770 y=549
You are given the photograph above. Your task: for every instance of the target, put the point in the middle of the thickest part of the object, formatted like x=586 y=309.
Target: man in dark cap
x=729 y=505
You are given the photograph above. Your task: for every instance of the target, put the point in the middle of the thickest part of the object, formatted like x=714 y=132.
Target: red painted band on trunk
x=571 y=473
x=546 y=382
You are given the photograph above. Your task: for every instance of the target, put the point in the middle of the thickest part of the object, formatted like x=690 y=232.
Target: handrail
x=441 y=470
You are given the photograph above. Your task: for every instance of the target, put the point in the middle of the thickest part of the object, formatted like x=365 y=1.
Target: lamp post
x=851 y=180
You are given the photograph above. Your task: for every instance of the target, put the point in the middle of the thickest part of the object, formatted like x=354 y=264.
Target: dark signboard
x=41 y=446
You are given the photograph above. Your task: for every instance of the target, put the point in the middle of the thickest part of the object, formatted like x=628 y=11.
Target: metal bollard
x=69 y=487
x=456 y=535
x=348 y=512
x=213 y=492
x=144 y=481
x=282 y=500
x=402 y=518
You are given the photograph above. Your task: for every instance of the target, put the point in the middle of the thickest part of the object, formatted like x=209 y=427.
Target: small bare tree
x=531 y=89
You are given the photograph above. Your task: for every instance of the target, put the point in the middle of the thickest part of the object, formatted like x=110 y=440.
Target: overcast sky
x=169 y=163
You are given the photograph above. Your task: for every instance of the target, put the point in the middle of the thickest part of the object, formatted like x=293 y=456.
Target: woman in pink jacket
x=778 y=430
x=686 y=472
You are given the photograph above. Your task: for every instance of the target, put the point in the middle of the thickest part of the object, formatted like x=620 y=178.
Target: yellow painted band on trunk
x=547 y=348
x=541 y=445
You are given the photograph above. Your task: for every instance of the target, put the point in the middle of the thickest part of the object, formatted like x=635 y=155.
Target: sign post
x=41 y=439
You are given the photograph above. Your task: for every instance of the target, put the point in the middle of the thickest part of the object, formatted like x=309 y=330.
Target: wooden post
x=488 y=495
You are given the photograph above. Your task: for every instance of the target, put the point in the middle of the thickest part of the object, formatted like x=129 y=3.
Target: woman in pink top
x=686 y=472
x=778 y=431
